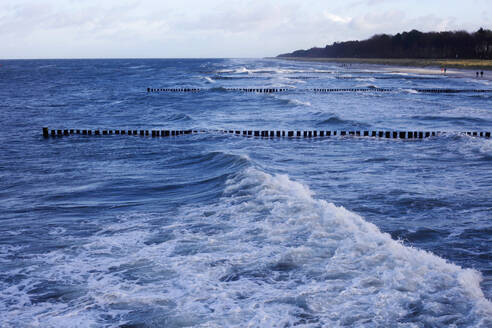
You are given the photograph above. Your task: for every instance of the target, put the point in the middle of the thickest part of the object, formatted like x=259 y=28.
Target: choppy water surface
x=213 y=230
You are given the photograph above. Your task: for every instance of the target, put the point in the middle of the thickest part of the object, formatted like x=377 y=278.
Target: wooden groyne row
x=263 y=133
x=275 y=90
x=89 y=132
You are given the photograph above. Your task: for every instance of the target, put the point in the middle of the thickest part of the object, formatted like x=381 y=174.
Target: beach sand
x=392 y=68
x=453 y=72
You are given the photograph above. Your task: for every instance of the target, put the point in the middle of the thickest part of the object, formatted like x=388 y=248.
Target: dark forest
x=413 y=44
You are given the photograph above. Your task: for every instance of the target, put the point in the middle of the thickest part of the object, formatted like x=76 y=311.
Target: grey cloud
x=240 y=19
x=28 y=18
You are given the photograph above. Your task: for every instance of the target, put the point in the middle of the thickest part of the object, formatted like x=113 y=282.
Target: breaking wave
x=336 y=121
x=268 y=254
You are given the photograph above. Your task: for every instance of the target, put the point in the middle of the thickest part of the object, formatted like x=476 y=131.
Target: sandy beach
x=392 y=68
x=454 y=72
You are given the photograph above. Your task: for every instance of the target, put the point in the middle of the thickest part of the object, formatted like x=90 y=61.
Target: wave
x=272 y=70
x=302 y=77
x=289 y=80
x=218 y=89
x=366 y=86
x=178 y=117
x=243 y=77
x=46 y=66
x=137 y=67
x=365 y=79
x=295 y=102
x=299 y=102
x=334 y=120
x=485 y=149
x=244 y=70
x=268 y=253
x=452 y=119
x=471 y=147
x=479 y=81
x=399 y=77
x=209 y=79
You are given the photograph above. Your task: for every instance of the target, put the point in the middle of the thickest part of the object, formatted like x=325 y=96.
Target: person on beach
x=477 y=75
x=481 y=74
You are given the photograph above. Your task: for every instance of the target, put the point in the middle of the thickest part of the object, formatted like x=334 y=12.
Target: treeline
x=413 y=44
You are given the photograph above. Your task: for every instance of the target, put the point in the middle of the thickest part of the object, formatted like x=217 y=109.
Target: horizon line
x=118 y=58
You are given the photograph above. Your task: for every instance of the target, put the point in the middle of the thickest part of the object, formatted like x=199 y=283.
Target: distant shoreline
x=448 y=63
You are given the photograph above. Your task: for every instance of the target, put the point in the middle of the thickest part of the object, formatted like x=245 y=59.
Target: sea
x=212 y=229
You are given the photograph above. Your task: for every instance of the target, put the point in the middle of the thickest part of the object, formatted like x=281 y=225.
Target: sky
x=215 y=28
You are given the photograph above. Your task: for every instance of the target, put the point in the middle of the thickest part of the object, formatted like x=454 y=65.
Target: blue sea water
x=217 y=230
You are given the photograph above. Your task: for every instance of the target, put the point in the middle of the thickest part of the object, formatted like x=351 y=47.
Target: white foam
x=479 y=81
x=368 y=79
x=299 y=102
x=269 y=253
x=274 y=70
x=137 y=67
x=473 y=147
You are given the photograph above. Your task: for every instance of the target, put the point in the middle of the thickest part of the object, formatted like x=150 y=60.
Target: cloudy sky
x=215 y=28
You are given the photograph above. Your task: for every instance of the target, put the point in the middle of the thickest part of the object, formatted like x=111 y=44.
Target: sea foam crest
x=352 y=273
x=268 y=254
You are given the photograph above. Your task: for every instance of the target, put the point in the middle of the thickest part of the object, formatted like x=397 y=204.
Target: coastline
x=456 y=68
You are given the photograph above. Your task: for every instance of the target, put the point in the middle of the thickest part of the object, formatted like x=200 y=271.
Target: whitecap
x=299 y=102
x=269 y=253
x=362 y=79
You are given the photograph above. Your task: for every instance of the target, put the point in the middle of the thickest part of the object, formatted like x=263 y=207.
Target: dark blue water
x=214 y=230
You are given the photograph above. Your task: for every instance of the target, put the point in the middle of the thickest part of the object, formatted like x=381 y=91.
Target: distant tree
x=413 y=44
